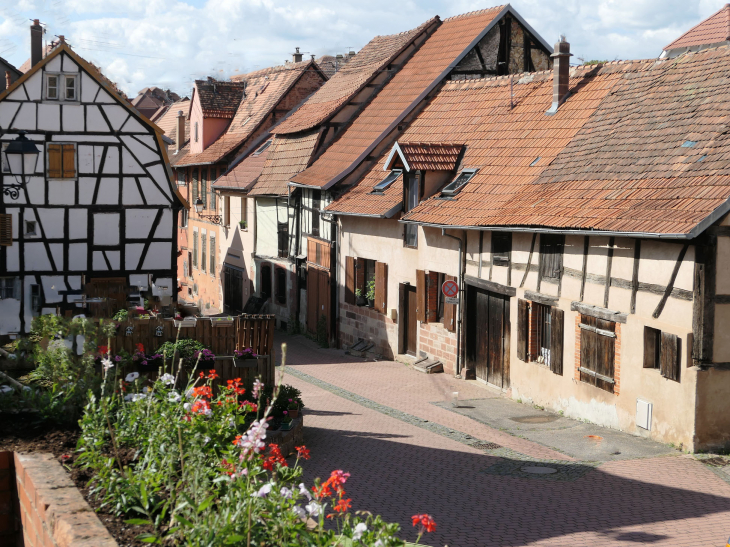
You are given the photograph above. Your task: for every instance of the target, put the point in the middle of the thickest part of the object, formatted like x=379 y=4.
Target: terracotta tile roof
x=289 y=155
x=168 y=121
x=264 y=89
x=326 y=64
x=219 y=99
x=349 y=79
x=639 y=147
x=443 y=48
x=25 y=67
x=713 y=30
x=245 y=173
x=431 y=156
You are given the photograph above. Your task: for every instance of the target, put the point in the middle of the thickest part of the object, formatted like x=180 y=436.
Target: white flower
x=134 y=397
x=298 y=511
x=253 y=440
x=187 y=406
x=174 y=397
x=189 y=393
x=145 y=389
x=313 y=508
x=131 y=377
x=231 y=422
x=304 y=492
x=107 y=364
x=263 y=491
x=285 y=492
x=206 y=440
x=167 y=379
x=360 y=529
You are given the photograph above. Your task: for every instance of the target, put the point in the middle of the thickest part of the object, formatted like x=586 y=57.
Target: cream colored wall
x=236 y=245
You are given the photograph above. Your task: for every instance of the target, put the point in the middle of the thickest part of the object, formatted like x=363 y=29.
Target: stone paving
x=407 y=455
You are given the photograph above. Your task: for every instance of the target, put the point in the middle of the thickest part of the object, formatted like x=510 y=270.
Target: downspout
x=461 y=298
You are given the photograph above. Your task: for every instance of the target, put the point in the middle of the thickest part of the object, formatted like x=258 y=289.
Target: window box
x=222 y=321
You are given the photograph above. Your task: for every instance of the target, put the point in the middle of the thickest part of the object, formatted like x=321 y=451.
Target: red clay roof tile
x=713 y=30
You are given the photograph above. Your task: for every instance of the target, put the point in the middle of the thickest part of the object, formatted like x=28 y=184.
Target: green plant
x=121 y=315
x=243 y=224
x=185 y=348
x=358 y=292
x=371 y=290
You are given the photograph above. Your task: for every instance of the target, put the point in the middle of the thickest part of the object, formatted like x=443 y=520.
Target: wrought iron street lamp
x=21 y=156
x=215 y=219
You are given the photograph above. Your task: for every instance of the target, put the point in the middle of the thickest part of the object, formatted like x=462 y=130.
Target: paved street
x=409 y=453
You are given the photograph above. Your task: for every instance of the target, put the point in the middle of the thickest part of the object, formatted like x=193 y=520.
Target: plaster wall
x=237 y=243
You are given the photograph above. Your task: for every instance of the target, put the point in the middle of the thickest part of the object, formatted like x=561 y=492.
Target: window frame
x=33 y=231
x=73 y=78
x=12 y=286
x=261 y=149
x=195 y=249
x=411 y=198
x=61 y=87
x=282 y=232
x=49 y=87
x=35 y=300
x=384 y=184
x=552 y=247
x=203 y=253
x=314 y=217
x=195 y=127
x=279 y=285
x=212 y=254
x=451 y=189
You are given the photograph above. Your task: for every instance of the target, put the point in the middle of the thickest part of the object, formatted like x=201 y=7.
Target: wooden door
x=498 y=308
x=233 y=290
x=323 y=300
x=312 y=299
x=411 y=321
x=114 y=292
x=487 y=332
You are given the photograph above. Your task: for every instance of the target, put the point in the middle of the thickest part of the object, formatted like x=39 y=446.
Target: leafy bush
x=186 y=348
x=121 y=315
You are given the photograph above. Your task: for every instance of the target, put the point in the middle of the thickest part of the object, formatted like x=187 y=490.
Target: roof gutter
x=418 y=100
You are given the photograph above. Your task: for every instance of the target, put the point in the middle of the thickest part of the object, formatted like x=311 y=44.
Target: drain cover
x=540 y=419
x=539 y=470
x=485 y=445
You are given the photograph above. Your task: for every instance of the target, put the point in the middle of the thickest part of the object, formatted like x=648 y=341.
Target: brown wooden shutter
x=449 y=310
x=670 y=356
x=401 y=319
x=6 y=230
x=421 y=295
x=432 y=297
x=55 y=170
x=650 y=340
x=350 y=280
x=69 y=161
x=523 y=312
x=381 y=287
x=556 y=340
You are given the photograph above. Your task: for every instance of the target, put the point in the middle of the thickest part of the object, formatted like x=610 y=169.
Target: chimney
x=7 y=79
x=351 y=55
x=339 y=61
x=180 y=136
x=296 y=56
x=36 y=42
x=61 y=39
x=561 y=74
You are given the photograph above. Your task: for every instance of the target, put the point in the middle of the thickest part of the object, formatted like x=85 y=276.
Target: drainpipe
x=461 y=298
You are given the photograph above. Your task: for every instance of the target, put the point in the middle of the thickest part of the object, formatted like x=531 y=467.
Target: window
x=540 y=334
x=364 y=277
x=212 y=255
x=227 y=211
x=358 y=271
x=35 y=299
x=195 y=187
x=9 y=288
x=262 y=148
x=181 y=177
x=195 y=249
x=283 y=232
x=244 y=213
x=454 y=187
x=6 y=230
x=184 y=218
x=265 y=281
x=412 y=194
x=316 y=200
x=204 y=187
x=501 y=248
x=52 y=86
x=61 y=161
x=195 y=131
x=70 y=82
x=30 y=227
x=662 y=351
x=388 y=180
x=203 y=253
x=190 y=260
x=597 y=352
x=551 y=255
x=280 y=285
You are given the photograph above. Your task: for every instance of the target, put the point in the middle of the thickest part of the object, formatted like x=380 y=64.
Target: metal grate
x=483 y=445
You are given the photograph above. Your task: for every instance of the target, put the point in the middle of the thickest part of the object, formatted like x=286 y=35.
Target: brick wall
x=51 y=509
x=8 y=500
x=363 y=322
x=438 y=343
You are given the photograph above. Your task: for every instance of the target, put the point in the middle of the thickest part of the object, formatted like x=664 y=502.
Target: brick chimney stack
x=180 y=136
x=561 y=74
x=296 y=56
x=7 y=79
x=36 y=42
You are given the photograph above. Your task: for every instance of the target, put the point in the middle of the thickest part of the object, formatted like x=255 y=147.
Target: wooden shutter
x=650 y=347
x=350 y=280
x=523 y=312
x=55 y=170
x=449 y=310
x=402 y=326
x=381 y=287
x=556 y=340
x=69 y=161
x=432 y=297
x=6 y=230
x=670 y=356
x=421 y=295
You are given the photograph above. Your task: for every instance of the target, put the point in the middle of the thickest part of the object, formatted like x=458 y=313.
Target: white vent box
x=643 y=414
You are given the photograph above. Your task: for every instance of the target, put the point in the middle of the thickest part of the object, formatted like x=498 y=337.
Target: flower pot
x=361 y=301
x=371 y=303
x=293 y=412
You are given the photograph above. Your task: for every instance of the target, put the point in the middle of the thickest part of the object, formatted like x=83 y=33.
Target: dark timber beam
x=670 y=286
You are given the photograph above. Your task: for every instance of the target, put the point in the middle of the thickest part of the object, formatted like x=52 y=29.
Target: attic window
x=262 y=148
x=387 y=181
x=454 y=187
x=688 y=144
x=534 y=163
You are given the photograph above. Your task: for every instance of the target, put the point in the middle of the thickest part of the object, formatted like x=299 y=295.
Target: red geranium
x=302 y=452
x=426 y=521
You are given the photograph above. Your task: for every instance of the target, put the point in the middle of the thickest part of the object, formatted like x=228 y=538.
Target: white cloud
x=169 y=43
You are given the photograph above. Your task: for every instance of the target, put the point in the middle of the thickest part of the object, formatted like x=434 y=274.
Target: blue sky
x=168 y=43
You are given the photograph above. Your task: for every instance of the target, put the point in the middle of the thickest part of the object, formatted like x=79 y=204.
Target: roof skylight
x=261 y=149
x=534 y=163
x=688 y=144
x=459 y=182
x=387 y=181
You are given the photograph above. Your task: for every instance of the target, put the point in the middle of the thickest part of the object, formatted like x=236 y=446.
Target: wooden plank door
x=496 y=353
x=323 y=293
x=487 y=332
x=233 y=290
x=483 y=340
x=312 y=299
x=411 y=321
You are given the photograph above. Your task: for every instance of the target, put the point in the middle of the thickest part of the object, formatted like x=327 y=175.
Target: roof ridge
x=476 y=12
x=404 y=32
x=272 y=70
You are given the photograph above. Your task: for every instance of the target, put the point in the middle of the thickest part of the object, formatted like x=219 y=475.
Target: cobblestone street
x=407 y=455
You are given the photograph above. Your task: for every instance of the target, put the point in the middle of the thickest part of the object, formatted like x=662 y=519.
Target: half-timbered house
x=97 y=215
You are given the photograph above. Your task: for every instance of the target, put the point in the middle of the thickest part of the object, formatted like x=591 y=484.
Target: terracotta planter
x=293 y=413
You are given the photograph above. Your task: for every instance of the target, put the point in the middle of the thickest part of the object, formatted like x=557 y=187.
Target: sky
x=169 y=43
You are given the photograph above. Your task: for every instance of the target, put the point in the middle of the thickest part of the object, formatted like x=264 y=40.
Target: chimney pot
x=36 y=42
x=561 y=73
x=296 y=56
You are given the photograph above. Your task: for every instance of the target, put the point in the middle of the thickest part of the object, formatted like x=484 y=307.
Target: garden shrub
x=186 y=348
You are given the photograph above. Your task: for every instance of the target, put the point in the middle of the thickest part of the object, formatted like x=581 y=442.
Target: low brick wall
x=45 y=509
x=288 y=440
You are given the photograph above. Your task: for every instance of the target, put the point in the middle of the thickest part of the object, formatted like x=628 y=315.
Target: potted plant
x=207 y=357
x=286 y=423
x=371 y=293
x=293 y=408
x=245 y=358
x=361 y=300
x=222 y=321
x=243 y=224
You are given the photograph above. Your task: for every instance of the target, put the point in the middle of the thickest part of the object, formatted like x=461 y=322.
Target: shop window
x=662 y=351
x=597 y=352
x=551 y=255
x=540 y=334
x=280 y=285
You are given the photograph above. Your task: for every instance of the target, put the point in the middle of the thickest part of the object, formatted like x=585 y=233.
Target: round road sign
x=450 y=288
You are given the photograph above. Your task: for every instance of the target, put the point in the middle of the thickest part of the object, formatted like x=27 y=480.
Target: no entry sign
x=450 y=290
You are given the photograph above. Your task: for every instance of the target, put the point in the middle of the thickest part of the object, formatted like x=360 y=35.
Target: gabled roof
x=289 y=155
x=443 y=50
x=264 y=90
x=639 y=148
x=349 y=79
x=219 y=99
x=25 y=67
x=712 y=31
x=244 y=174
x=424 y=156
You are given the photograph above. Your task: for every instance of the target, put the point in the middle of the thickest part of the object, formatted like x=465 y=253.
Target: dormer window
x=63 y=87
x=388 y=180
x=459 y=182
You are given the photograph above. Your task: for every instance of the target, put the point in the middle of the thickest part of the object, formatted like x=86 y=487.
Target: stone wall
x=363 y=322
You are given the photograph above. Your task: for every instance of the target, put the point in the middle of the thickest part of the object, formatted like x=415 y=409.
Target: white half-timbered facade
x=100 y=208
